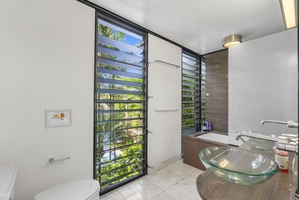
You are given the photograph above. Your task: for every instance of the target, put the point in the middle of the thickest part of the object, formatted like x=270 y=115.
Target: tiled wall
x=217 y=90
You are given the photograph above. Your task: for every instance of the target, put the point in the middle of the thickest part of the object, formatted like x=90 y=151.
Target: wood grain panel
x=217 y=90
x=192 y=146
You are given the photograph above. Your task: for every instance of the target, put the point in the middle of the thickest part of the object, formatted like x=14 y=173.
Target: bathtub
x=214 y=137
x=194 y=143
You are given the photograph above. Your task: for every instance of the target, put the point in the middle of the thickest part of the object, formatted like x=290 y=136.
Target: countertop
x=280 y=187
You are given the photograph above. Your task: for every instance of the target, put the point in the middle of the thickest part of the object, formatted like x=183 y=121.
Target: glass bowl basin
x=258 y=144
x=258 y=141
x=238 y=165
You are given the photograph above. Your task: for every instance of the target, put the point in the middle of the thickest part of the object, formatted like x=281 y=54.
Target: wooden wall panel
x=192 y=146
x=217 y=90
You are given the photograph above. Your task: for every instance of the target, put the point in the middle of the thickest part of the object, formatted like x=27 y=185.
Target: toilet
x=86 y=189
x=8 y=175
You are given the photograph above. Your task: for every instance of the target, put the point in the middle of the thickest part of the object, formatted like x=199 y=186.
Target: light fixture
x=288 y=9
x=231 y=40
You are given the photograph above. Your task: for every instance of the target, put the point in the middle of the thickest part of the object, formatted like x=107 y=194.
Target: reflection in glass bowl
x=237 y=165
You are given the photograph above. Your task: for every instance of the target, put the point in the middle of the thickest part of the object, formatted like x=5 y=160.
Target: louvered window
x=120 y=104
x=190 y=93
x=203 y=92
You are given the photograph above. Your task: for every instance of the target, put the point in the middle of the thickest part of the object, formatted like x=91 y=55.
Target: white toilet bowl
x=7 y=182
x=86 y=189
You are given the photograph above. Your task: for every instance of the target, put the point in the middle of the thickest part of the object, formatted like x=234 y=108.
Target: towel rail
x=167 y=63
x=166 y=109
x=53 y=160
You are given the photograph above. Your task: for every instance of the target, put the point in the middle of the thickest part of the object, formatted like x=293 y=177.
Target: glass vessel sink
x=258 y=141
x=238 y=165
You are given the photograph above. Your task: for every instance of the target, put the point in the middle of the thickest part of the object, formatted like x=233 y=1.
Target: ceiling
x=200 y=25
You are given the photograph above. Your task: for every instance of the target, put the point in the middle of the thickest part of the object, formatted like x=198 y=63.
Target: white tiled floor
x=174 y=182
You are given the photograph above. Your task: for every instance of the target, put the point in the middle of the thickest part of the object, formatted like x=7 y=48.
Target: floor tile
x=181 y=169
x=163 y=179
x=192 y=177
x=114 y=195
x=185 y=190
x=163 y=196
x=140 y=190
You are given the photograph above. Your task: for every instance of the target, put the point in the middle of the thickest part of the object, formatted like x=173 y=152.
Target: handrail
x=167 y=63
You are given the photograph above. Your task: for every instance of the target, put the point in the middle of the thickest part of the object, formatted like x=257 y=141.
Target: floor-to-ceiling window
x=120 y=103
x=203 y=92
x=190 y=93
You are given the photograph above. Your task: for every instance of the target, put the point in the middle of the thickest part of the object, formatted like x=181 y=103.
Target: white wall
x=47 y=62
x=263 y=84
x=164 y=83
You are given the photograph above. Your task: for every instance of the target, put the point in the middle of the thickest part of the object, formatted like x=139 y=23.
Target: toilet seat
x=86 y=189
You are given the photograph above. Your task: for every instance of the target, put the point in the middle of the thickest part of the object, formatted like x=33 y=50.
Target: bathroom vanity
x=280 y=187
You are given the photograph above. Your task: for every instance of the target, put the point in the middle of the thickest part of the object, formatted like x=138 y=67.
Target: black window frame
x=125 y=24
x=198 y=101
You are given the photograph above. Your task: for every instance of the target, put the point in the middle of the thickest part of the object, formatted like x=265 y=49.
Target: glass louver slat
x=120 y=55
x=117 y=111
x=191 y=72
x=120 y=45
x=192 y=96
x=121 y=143
x=117 y=130
x=190 y=57
x=117 y=82
x=195 y=118
x=117 y=63
x=190 y=67
x=111 y=181
x=118 y=92
x=119 y=158
x=119 y=120
x=119 y=73
x=119 y=168
x=191 y=107
x=189 y=90
x=119 y=101
x=121 y=147
x=191 y=79
x=189 y=102
x=189 y=84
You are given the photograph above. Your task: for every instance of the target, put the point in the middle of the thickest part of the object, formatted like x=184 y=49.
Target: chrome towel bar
x=167 y=63
x=166 y=110
x=52 y=160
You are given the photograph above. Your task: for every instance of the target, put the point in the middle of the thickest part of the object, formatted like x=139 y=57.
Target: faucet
x=285 y=142
x=257 y=136
x=290 y=124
